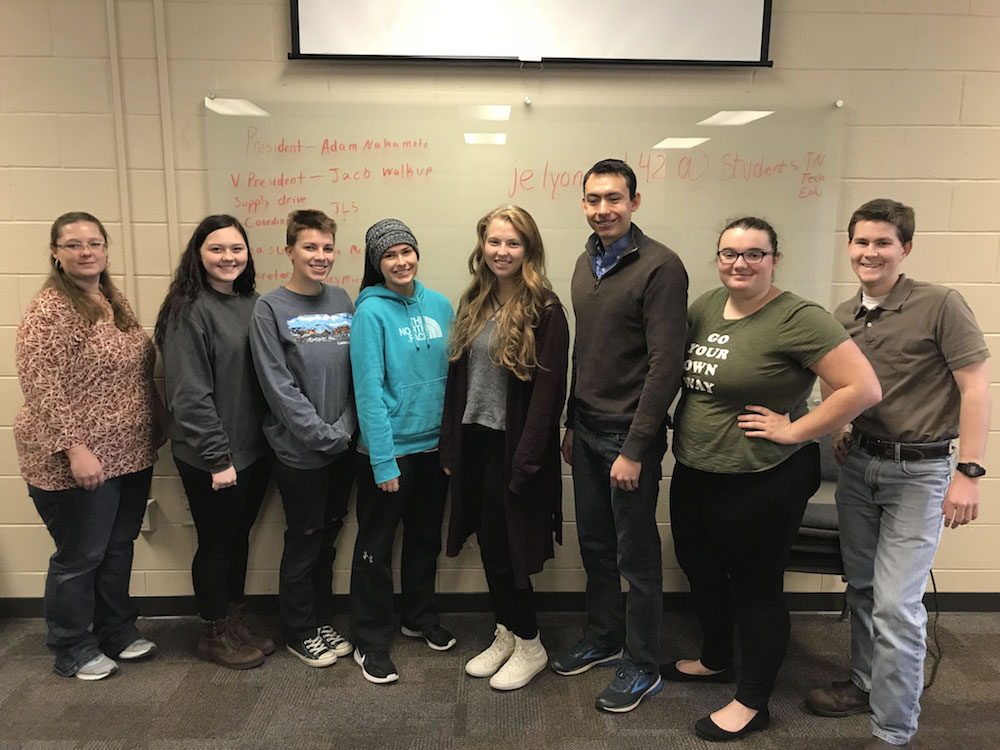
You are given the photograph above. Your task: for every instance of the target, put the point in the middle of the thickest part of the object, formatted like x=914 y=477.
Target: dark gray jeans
x=87 y=606
x=618 y=537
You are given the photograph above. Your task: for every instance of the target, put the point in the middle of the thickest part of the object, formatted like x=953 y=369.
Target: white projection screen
x=694 y=32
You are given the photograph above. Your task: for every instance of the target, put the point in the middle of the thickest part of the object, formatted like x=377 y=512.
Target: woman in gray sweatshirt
x=216 y=412
x=301 y=340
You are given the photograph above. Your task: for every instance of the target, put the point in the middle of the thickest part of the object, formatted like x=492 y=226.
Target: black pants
x=315 y=502
x=223 y=519
x=419 y=504
x=483 y=491
x=732 y=534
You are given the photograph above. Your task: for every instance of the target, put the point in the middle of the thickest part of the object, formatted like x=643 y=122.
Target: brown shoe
x=237 y=620
x=840 y=699
x=218 y=643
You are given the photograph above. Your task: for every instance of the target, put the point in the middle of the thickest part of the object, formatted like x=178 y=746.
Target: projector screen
x=701 y=32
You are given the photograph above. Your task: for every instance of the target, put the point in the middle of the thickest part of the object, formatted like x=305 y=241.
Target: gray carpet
x=175 y=702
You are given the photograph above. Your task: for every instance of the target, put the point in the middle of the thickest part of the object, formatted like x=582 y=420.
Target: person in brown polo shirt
x=896 y=490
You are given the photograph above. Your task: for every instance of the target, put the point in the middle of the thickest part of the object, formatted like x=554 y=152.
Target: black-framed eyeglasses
x=75 y=247
x=750 y=256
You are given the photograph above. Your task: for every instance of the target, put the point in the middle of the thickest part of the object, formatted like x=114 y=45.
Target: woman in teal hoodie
x=399 y=358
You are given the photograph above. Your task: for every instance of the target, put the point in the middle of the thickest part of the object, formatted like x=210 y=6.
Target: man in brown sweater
x=630 y=301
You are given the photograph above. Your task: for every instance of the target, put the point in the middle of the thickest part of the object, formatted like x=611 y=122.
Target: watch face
x=971 y=469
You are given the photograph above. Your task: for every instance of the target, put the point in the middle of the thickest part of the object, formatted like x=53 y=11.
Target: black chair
x=816 y=548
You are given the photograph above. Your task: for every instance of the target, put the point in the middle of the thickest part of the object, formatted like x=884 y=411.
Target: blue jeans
x=88 y=578
x=618 y=538
x=890 y=525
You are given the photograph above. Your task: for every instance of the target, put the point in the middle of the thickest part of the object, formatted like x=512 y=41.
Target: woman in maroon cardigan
x=500 y=432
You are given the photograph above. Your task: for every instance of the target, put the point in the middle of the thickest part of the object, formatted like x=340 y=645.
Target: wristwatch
x=971 y=469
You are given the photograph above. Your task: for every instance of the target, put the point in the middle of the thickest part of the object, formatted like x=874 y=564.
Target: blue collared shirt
x=604 y=261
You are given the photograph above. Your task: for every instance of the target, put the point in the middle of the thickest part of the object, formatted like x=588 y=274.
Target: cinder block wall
x=920 y=78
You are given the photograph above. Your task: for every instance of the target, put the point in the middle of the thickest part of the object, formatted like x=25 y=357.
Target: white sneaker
x=489 y=661
x=529 y=658
x=97 y=668
x=140 y=648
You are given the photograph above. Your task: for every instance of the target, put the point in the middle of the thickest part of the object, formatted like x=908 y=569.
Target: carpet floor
x=175 y=702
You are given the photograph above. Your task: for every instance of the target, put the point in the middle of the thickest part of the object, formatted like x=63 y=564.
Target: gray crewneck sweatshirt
x=301 y=349
x=215 y=403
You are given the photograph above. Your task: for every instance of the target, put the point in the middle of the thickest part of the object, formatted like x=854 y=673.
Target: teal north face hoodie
x=399 y=361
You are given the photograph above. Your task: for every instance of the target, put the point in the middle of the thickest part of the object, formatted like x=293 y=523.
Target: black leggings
x=223 y=519
x=483 y=486
x=732 y=535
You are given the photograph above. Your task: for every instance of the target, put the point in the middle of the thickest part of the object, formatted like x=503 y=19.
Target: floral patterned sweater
x=83 y=383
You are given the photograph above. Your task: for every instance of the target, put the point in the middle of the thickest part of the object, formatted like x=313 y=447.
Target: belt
x=901 y=451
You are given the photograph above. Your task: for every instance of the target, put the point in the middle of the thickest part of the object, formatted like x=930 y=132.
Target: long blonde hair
x=513 y=343
x=84 y=304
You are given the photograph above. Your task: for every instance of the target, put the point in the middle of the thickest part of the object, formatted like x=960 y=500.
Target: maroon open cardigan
x=533 y=496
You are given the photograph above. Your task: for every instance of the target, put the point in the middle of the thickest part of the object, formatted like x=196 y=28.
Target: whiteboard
x=704 y=32
x=361 y=163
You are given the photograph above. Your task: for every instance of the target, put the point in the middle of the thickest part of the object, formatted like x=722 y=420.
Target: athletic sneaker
x=582 y=657
x=376 y=666
x=312 y=651
x=335 y=641
x=628 y=688
x=97 y=668
x=435 y=636
x=140 y=648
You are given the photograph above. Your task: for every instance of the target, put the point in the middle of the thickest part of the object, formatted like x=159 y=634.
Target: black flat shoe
x=709 y=730
x=672 y=673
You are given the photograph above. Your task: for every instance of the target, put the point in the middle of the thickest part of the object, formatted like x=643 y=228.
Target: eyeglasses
x=750 y=256
x=75 y=247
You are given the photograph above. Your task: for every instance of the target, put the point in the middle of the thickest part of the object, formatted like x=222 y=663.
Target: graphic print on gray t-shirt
x=319 y=327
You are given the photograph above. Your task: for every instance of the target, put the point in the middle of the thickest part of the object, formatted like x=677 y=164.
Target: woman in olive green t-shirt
x=746 y=464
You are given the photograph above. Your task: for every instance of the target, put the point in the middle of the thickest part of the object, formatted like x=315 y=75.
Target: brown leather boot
x=839 y=699
x=237 y=622
x=218 y=643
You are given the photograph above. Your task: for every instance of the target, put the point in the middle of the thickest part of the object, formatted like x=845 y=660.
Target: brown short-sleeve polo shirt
x=914 y=340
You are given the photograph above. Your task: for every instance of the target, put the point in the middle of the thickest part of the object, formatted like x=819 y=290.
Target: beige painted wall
x=920 y=78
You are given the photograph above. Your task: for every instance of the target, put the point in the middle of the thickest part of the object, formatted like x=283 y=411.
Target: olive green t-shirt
x=762 y=359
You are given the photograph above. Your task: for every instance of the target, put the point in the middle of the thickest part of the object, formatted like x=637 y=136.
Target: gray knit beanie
x=384 y=234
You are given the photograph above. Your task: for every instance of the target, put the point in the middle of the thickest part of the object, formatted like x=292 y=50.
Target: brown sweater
x=628 y=356
x=83 y=383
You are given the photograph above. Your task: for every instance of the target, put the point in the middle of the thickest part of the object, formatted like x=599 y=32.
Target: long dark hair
x=371 y=275
x=88 y=309
x=191 y=279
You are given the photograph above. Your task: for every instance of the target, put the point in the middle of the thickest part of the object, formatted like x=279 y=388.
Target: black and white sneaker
x=435 y=636
x=376 y=666
x=335 y=641
x=312 y=651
